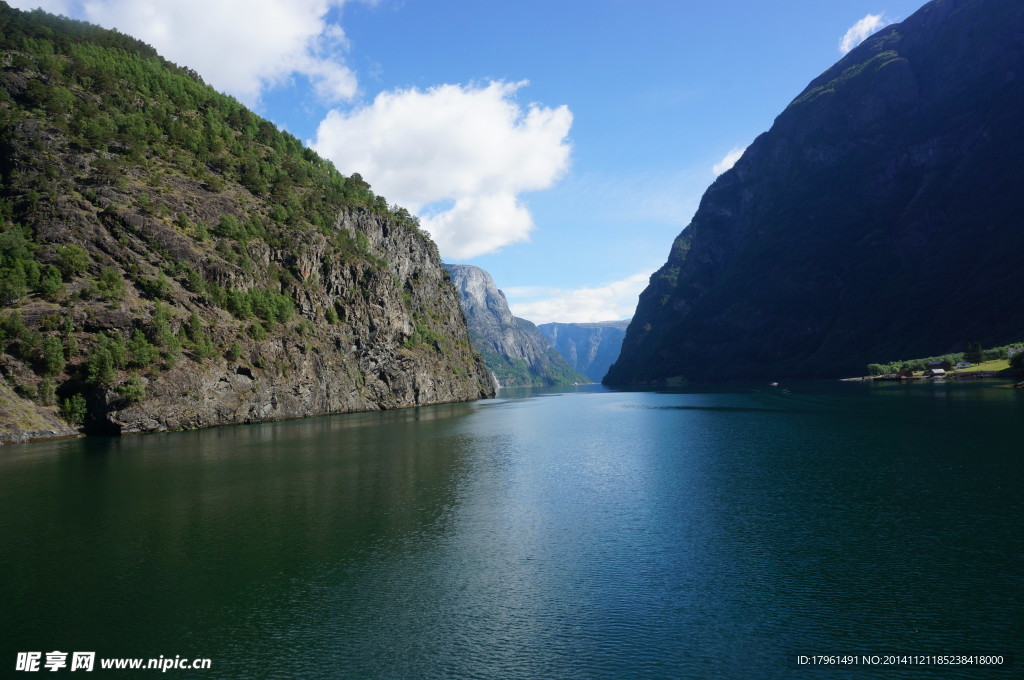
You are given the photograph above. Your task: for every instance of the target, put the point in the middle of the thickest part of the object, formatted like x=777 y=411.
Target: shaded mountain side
x=880 y=216
x=516 y=353
x=589 y=348
x=169 y=260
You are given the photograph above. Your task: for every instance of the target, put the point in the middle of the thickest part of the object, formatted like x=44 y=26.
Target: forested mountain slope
x=881 y=215
x=170 y=260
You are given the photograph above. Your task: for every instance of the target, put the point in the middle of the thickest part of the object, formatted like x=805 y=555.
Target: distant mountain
x=589 y=348
x=170 y=260
x=514 y=350
x=880 y=216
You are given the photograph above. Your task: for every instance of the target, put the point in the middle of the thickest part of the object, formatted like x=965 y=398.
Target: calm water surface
x=592 y=534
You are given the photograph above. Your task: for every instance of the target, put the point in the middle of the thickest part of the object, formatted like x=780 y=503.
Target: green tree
x=194 y=280
x=53 y=356
x=1017 y=361
x=201 y=343
x=877 y=369
x=47 y=392
x=19 y=270
x=141 y=353
x=106 y=171
x=227 y=227
x=160 y=328
x=111 y=285
x=974 y=353
x=13 y=284
x=132 y=390
x=155 y=289
x=99 y=366
x=70 y=347
x=74 y=409
x=107 y=356
x=257 y=331
x=72 y=261
x=51 y=282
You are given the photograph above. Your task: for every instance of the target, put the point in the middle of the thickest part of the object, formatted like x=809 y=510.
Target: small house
x=963 y=364
x=944 y=365
x=935 y=372
x=905 y=373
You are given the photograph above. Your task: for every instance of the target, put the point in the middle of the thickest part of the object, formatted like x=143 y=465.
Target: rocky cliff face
x=401 y=340
x=169 y=260
x=589 y=348
x=878 y=219
x=515 y=351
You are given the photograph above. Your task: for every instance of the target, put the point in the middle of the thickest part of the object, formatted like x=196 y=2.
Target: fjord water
x=587 y=534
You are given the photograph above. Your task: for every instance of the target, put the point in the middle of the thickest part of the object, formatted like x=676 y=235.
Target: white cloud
x=860 y=31
x=610 y=302
x=472 y=148
x=728 y=161
x=241 y=47
x=475 y=225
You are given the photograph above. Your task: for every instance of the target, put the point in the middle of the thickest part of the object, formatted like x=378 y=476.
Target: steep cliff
x=880 y=216
x=400 y=340
x=515 y=351
x=589 y=348
x=169 y=260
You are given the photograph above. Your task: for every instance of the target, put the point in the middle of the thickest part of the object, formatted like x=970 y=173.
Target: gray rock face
x=514 y=350
x=402 y=342
x=589 y=348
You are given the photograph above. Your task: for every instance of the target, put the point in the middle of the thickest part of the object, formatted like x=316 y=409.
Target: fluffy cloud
x=479 y=224
x=860 y=31
x=616 y=300
x=728 y=161
x=239 y=46
x=458 y=155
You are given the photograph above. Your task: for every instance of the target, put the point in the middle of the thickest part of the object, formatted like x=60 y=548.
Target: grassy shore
x=994 y=365
x=997 y=368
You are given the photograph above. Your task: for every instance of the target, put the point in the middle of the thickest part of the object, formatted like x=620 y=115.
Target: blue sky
x=559 y=145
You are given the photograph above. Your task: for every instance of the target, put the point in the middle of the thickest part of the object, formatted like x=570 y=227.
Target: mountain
x=169 y=260
x=880 y=216
x=589 y=348
x=516 y=353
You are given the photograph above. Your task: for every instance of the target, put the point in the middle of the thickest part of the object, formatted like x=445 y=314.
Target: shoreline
x=1013 y=376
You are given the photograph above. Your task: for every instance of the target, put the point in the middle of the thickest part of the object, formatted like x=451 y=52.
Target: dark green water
x=593 y=534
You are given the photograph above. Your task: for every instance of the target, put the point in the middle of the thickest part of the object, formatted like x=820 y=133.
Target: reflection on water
x=705 y=532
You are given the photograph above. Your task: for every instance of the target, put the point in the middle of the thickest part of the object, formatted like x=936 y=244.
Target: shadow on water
x=581 y=533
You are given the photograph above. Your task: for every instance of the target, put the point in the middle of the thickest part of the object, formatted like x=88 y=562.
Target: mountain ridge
x=169 y=260
x=589 y=348
x=515 y=351
x=870 y=220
